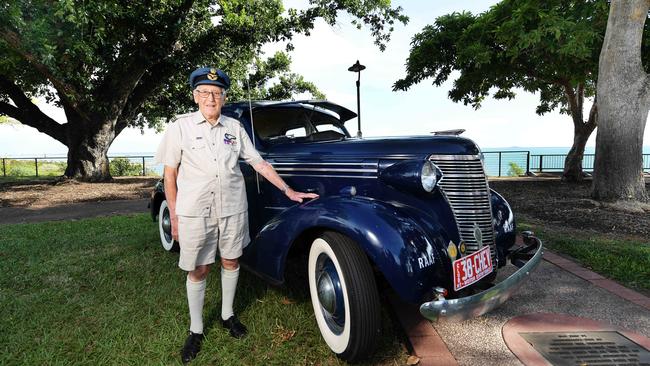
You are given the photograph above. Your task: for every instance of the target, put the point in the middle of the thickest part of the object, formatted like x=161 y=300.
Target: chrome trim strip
x=330 y=176
x=481 y=303
x=463 y=176
x=343 y=170
x=292 y=158
x=455 y=157
x=375 y=164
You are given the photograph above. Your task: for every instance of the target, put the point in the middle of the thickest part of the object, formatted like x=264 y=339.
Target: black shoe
x=235 y=327
x=192 y=347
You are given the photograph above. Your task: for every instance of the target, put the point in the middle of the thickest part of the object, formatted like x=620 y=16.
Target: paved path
x=76 y=211
x=557 y=286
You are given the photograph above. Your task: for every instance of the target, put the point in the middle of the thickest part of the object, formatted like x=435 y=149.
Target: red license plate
x=472 y=268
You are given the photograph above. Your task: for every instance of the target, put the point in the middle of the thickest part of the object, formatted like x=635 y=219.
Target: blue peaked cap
x=209 y=76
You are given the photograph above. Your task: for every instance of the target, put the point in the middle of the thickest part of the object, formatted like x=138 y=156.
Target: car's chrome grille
x=465 y=185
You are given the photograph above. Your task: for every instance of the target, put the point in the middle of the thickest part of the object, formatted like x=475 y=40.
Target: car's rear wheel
x=344 y=296
x=165 y=228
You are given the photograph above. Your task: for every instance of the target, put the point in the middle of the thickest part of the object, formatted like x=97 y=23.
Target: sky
x=324 y=58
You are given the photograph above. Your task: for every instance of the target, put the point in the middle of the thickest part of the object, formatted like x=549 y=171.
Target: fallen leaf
x=282 y=335
x=413 y=360
x=286 y=301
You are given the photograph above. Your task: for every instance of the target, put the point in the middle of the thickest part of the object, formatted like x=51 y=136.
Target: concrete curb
x=425 y=342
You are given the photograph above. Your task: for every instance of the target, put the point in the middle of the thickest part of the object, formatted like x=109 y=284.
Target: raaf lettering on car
x=426 y=259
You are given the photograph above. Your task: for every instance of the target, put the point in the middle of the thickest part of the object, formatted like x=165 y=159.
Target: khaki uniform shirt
x=209 y=179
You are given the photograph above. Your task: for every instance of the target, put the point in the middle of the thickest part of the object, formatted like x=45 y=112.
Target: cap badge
x=213 y=74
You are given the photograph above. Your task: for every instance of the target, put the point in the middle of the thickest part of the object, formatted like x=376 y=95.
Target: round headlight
x=428 y=176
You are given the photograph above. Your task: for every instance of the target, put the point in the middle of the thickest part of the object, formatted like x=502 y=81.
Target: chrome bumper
x=479 y=304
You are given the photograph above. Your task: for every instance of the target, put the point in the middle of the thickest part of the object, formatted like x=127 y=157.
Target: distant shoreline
x=533 y=150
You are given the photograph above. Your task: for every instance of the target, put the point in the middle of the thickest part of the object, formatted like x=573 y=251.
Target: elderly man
x=206 y=195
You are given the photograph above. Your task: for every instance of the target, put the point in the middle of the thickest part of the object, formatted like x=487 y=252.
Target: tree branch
x=28 y=113
x=133 y=66
x=63 y=89
x=581 y=97
x=8 y=110
x=572 y=100
x=593 y=115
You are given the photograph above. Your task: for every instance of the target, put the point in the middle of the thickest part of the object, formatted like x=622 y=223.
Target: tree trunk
x=573 y=163
x=623 y=103
x=88 y=152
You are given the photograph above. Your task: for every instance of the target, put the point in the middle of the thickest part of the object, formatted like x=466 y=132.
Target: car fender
x=157 y=196
x=411 y=258
x=503 y=222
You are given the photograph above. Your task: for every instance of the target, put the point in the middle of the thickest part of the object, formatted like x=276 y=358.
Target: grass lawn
x=102 y=291
x=626 y=260
x=27 y=167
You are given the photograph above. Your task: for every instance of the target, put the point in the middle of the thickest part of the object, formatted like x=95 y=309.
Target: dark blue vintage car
x=416 y=211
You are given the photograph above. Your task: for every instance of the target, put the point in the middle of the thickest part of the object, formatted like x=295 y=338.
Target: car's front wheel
x=165 y=228
x=344 y=296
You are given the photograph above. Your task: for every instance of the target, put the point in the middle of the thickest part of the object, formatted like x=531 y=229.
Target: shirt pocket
x=234 y=149
x=198 y=146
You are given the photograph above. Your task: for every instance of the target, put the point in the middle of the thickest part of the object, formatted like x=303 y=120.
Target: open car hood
x=344 y=113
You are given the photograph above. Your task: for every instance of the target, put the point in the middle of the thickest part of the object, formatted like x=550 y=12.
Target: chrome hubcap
x=167 y=225
x=330 y=294
x=326 y=293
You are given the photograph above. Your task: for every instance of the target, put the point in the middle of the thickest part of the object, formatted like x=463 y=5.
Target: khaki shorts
x=200 y=238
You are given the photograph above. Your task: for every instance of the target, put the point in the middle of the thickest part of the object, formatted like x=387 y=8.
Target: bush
x=515 y=170
x=51 y=168
x=20 y=170
x=120 y=167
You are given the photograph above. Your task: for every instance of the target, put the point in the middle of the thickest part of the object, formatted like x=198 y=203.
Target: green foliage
x=546 y=47
x=129 y=61
x=27 y=168
x=120 y=167
x=8 y=121
x=515 y=170
x=276 y=67
x=20 y=170
x=103 y=291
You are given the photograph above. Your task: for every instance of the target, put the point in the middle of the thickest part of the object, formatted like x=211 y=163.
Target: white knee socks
x=228 y=287
x=195 y=298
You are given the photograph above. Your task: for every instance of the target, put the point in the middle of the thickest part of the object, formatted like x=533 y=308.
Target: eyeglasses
x=206 y=94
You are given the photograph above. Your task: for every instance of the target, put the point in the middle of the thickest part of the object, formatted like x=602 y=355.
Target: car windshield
x=297 y=124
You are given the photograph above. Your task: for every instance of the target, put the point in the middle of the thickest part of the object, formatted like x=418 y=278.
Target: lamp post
x=357 y=67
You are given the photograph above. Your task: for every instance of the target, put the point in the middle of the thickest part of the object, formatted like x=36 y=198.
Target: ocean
x=549 y=150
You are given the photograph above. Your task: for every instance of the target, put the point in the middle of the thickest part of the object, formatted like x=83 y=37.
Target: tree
x=547 y=47
x=113 y=64
x=623 y=104
x=289 y=84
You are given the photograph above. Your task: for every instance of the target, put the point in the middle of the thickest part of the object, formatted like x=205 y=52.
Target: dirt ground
x=545 y=200
x=569 y=205
x=42 y=194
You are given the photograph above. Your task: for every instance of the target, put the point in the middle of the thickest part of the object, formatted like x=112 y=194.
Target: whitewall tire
x=165 y=228
x=344 y=296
